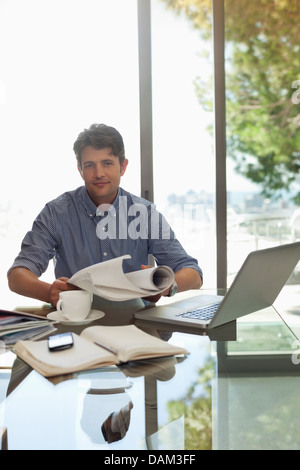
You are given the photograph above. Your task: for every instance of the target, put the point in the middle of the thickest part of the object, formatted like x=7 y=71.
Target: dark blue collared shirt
x=76 y=234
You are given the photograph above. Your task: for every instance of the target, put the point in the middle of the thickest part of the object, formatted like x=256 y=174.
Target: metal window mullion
x=220 y=140
x=145 y=87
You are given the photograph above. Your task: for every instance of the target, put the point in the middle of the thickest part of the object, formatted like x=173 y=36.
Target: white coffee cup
x=74 y=305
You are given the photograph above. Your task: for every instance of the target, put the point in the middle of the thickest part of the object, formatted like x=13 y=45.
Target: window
x=262 y=63
x=63 y=66
x=183 y=151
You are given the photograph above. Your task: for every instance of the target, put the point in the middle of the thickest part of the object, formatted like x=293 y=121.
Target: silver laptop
x=255 y=287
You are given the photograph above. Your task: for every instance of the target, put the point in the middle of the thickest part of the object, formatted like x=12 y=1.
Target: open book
x=108 y=280
x=97 y=346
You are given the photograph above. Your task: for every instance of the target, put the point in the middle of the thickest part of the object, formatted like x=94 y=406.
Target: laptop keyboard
x=202 y=313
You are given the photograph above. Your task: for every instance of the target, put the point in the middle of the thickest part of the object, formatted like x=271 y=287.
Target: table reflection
x=235 y=391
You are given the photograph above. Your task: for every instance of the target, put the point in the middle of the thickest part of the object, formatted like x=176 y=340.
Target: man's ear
x=124 y=166
x=80 y=171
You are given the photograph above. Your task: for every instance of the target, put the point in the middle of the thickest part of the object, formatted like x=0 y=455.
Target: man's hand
x=59 y=285
x=24 y=282
x=186 y=279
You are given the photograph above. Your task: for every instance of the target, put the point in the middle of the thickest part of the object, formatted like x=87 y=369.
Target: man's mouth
x=100 y=184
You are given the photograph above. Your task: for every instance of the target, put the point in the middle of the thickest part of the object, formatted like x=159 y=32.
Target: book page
x=130 y=343
x=108 y=280
x=83 y=355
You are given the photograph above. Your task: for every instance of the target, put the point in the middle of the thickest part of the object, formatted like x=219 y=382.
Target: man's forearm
x=24 y=282
x=188 y=278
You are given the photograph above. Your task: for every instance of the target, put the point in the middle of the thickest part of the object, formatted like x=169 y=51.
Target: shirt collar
x=91 y=208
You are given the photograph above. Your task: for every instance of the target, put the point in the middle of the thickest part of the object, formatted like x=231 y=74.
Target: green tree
x=196 y=407
x=262 y=66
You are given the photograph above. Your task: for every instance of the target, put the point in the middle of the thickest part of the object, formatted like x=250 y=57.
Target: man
x=97 y=222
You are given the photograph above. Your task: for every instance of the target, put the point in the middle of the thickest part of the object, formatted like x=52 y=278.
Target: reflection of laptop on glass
x=255 y=287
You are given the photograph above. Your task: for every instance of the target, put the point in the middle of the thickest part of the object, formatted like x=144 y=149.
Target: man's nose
x=99 y=171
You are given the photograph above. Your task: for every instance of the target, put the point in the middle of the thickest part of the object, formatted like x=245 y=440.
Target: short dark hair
x=99 y=136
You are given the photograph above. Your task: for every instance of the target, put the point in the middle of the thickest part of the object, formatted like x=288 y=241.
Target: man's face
x=101 y=172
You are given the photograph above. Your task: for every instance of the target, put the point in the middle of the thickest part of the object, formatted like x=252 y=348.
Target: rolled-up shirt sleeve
x=39 y=245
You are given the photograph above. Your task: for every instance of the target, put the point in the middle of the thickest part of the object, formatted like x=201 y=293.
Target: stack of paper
x=16 y=326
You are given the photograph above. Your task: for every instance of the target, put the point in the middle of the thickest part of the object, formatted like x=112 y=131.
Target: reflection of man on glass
x=106 y=416
x=67 y=229
x=116 y=425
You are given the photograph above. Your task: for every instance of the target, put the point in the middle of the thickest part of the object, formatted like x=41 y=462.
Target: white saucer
x=92 y=316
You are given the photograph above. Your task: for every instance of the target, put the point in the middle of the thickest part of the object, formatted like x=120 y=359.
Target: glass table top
x=235 y=393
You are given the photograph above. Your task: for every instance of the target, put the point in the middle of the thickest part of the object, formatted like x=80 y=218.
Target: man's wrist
x=172 y=290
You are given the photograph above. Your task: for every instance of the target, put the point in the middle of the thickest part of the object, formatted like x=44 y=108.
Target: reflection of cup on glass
x=74 y=304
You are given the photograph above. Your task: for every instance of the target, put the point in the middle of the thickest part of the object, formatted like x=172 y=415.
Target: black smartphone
x=60 y=341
